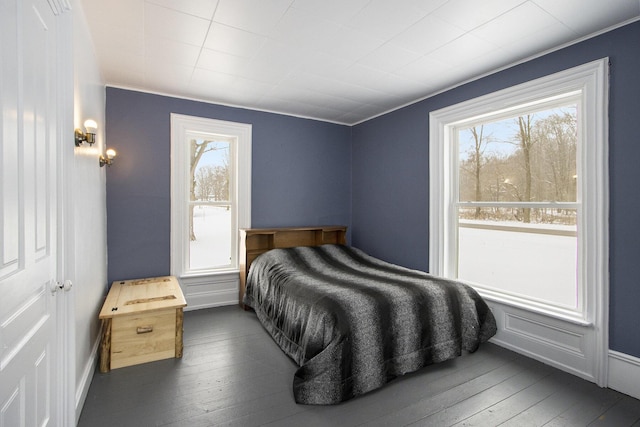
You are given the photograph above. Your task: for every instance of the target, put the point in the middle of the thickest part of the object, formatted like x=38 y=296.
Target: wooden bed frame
x=256 y=241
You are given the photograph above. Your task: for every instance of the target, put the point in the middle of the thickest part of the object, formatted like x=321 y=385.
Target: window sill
x=537 y=307
x=207 y=274
x=210 y=276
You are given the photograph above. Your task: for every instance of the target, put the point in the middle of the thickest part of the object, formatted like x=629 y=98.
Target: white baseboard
x=210 y=299
x=210 y=291
x=563 y=345
x=546 y=360
x=83 y=385
x=624 y=373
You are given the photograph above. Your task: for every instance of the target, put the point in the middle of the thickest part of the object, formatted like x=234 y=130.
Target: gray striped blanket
x=353 y=322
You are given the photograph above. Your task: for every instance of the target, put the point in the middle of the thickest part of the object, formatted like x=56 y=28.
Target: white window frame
x=181 y=125
x=592 y=164
x=573 y=97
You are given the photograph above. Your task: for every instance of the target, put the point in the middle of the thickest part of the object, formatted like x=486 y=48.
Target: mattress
x=353 y=322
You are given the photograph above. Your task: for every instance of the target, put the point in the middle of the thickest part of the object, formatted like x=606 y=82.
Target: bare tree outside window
x=210 y=205
x=511 y=186
x=477 y=160
x=207 y=182
x=529 y=158
x=526 y=146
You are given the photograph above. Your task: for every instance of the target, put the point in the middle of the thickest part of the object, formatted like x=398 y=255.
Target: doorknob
x=66 y=285
x=55 y=286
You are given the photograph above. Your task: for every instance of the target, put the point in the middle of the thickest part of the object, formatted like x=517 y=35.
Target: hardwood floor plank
x=428 y=385
x=462 y=409
x=422 y=385
x=252 y=413
x=563 y=398
x=515 y=404
x=449 y=397
x=593 y=401
x=625 y=412
x=232 y=373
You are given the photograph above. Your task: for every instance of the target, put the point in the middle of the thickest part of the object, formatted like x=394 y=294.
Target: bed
x=352 y=322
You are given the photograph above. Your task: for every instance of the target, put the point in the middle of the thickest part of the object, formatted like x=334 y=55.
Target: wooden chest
x=141 y=322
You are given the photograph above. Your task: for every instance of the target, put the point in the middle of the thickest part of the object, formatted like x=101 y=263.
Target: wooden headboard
x=256 y=241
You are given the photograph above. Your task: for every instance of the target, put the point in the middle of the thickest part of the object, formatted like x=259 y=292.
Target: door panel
x=11 y=182
x=28 y=335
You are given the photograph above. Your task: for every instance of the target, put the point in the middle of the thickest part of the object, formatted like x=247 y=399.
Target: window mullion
x=533 y=205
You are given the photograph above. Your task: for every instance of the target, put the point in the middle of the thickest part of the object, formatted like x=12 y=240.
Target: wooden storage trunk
x=141 y=322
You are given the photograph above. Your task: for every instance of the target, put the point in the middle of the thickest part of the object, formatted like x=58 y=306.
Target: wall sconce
x=107 y=158
x=89 y=137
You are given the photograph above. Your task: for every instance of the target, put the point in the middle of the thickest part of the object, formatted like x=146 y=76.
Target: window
x=212 y=209
x=210 y=199
x=516 y=202
x=519 y=195
x=519 y=210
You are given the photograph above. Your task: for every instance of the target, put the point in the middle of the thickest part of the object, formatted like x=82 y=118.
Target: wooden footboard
x=256 y=241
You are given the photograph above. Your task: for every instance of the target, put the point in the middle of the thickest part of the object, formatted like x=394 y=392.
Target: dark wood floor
x=232 y=373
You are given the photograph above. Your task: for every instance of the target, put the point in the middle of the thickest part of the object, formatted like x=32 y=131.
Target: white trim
x=65 y=222
x=84 y=382
x=597 y=216
x=531 y=304
x=537 y=205
x=227 y=104
x=624 y=373
x=211 y=290
x=592 y=80
x=548 y=339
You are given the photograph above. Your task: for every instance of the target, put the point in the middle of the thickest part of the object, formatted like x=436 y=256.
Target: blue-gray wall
x=301 y=175
x=390 y=175
x=373 y=177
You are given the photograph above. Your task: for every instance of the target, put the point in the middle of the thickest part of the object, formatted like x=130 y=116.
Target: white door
x=29 y=379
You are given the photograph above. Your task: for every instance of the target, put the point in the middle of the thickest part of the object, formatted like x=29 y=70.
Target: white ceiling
x=336 y=60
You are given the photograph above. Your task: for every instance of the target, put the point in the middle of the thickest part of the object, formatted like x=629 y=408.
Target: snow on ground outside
x=212 y=247
x=539 y=266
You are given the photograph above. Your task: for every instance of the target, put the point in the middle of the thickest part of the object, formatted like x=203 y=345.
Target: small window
x=210 y=199
x=211 y=203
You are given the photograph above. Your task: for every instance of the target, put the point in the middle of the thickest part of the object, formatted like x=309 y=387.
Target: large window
x=519 y=210
x=519 y=194
x=516 y=202
x=210 y=194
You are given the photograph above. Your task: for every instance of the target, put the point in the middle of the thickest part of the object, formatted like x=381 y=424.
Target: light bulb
x=90 y=126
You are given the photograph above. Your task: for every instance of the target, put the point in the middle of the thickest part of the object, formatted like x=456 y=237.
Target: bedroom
x=286 y=146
